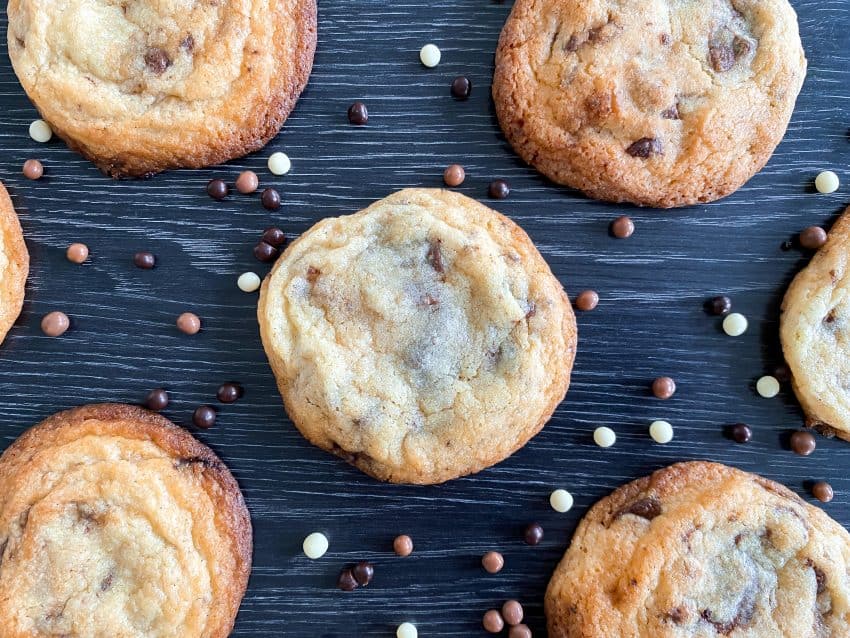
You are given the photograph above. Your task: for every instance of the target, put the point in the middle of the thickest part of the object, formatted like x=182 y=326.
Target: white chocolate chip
x=430 y=55
x=767 y=386
x=406 y=630
x=735 y=324
x=248 y=281
x=40 y=131
x=604 y=437
x=315 y=545
x=279 y=163
x=826 y=182
x=661 y=431
x=561 y=501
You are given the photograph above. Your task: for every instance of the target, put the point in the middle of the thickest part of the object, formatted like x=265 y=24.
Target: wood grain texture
x=649 y=322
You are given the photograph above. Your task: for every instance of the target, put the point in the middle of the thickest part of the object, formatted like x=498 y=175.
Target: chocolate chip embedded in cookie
x=700 y=549
x=115 y=522
x=14 y=264
x=421 y=339
x=815 y=333
x=139 y=87
x=654 y=102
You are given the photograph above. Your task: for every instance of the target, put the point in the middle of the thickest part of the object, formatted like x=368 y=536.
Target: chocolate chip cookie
x=698 y=550
x=14 y=264
x=115 y=522
x=139 y=87
x=421 y=339
x=815 y=333
x=653 y=102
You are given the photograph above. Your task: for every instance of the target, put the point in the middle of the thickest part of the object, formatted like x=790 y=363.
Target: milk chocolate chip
x=645 y=147
x=435 y=256
x=157 y=60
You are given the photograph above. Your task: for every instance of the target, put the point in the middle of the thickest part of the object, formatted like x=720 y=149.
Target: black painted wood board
x=649 y=322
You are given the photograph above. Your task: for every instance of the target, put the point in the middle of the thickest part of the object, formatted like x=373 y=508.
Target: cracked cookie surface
x=699 y=550
x=140 y=86
x=655 y=102
x=421 y=339
x=115 y=523
x=815 y=333
x=14 y=264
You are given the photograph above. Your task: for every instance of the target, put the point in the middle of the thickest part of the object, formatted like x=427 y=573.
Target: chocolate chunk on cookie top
x=142 y=86
x=698 y=550
x=655 y=102
x=420 y=339
x=815 y=333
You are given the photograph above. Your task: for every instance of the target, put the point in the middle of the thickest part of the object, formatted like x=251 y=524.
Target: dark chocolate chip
x=572 y=44
x=461 y=87
x=274 y=236
x=229 y=392
x=741 y=46
x=533 y=534
x=719 y=305
x=678 y=615
x=346 y=580
x=647 y=508
x=358 y=114
x=156 y=400
x=672 y=113
x=741 y=433
x=157 y=60
x=204 y=416
x=803 y=443
x=498 y=189
x=744 y=614
x=217 y=189
x=264 y=251
x=144 y=260
x=645 y=147
x=188 y=43
x=270 y=199
x=363 y=572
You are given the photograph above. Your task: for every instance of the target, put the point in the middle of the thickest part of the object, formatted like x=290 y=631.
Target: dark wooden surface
x=649 y=322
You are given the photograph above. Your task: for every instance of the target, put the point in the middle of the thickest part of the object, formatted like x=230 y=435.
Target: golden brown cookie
x=140 y=87
x=654 y=102
x=700 y=550
x=421 y=339
x=815 y=333
x=14 y=264
x=116 y=523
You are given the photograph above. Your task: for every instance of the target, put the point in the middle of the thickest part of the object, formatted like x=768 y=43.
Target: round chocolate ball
x=264 y=251
x=663 y=387
x=498 y=189
x=533 y=534
x=346 y=580
x=189 y=323
x=217 y=189
x=274 y=236
x=247 y=182
x=493 y=622
x=493 y=562
x=77 y=253
x=823 y=491
x=461 y=87
x=512 y=612
x=270 y=199
x=156 y=399
x=363 y=572
x=55 y=324
x=358 y=114
x=719 y=305
x=229 y=392
x=454 y=175
x=741 y=433
x=813 y=237
x=33 y=169
x=587 y=300
x=403 y=545
x=622 y=227
x=144 y=260
x=204 y=416
x=803 y=443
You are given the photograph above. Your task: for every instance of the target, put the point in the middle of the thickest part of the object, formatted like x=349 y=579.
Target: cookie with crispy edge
x=114 y=521
x=14 y=264
x=815 y=333
x=421 y=339
x=651 y=102
x=702 y=549
x=138 y=88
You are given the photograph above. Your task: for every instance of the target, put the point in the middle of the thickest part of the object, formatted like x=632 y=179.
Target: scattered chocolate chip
x=663 y=387
x=622 y=227
x=823 y=491
x=587 y=300
x=803 y=443
x=204 y=416
x=498 y=189
x=493 y=562
x=672 y=113
x=678 y=615
x=247 y=182
x=533 y=534
x=189 y=323
x=645 y=147
x=270 y=199
x=106 y=583
x=720 y=305
x=741 y=433
x=156 y=399
x=454 y=175
x=435 y=256
x=346 y=580
x=512 y=612
x=229 y=392
x=217 y=189
x=144 y=260
x=721 y=55
x=813 y=237
x=665 y=39
x=188 y=43
x=54 y=324
x=647 y=508
x=493 y=622
x=741 y=46
x=358 y=114
x=264 y=251
x=461 y=87
x=519 y=631
x=274 y=236
x=33 y=169
x=363 y=572
x=77 y=253
x=403 y=545
x=157 y=60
